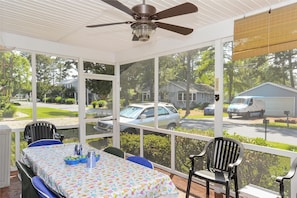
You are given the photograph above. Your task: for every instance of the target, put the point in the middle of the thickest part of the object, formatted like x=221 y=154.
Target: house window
x=193 y=96
x=180 y=96
x=146 y=96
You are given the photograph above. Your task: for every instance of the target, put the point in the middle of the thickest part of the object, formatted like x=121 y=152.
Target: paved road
x=241 y=127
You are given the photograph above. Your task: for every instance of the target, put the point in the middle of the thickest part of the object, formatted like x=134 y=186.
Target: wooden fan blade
x=120 y=6
x=174 y=28
x=185 y=8
x=107 y=24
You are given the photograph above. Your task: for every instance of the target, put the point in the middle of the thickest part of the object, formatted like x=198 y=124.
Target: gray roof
x=271 y=84
x=194 y=88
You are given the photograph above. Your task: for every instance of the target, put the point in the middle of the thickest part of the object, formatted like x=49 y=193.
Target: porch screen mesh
x=264 y=33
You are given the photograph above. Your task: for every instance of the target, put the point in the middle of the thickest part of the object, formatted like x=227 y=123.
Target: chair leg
x=227 y=190
x=189 y=183
x=236 y=187
x=207 y=188
x=281 y=189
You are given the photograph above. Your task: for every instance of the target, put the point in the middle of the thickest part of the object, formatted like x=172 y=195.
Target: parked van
x=246 y=106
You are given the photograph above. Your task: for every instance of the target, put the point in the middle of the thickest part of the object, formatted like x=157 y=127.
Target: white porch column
x=81 y=101
x=219 y=96
x=34 y=87
x=116 y=106
x=5 y=139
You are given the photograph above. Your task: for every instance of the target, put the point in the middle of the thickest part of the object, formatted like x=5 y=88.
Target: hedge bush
x=69 y=101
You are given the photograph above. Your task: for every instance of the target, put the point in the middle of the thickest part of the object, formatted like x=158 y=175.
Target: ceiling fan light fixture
x=143 y=31
x=144 y=16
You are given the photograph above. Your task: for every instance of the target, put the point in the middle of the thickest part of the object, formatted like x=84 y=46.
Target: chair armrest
x=236 y=163
x=28 y=139
x=193 y=157
x=59 y=136
x=290 y=174
x=233 y=166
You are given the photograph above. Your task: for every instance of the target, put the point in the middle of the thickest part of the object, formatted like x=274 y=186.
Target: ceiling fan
x=145 y=15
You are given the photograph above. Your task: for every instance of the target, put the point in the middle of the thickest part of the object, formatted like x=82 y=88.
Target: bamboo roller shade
x=269 y=32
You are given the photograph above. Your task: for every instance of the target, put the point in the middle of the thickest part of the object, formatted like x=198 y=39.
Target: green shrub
x=70 y=101
x=9 y=111
x=48 y=100
x=94 y=104
x=58 y=99
x=122 y=102
x=157 y=149
x=130 y=143
x=292 y=148
x=102 y=103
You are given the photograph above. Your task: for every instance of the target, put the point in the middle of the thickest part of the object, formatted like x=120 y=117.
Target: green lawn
x=45 y=112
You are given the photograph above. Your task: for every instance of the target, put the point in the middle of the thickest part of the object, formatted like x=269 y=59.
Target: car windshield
x=239 y=101
x=131 y=112
x=172 y=109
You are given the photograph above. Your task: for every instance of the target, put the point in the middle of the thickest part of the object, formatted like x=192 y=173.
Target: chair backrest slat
x=40 y=130
x=222 y=152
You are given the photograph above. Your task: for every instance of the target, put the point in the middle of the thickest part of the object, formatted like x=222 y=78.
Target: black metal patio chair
x=115 y=151
x=223 y=155
x=26 y=174
x=41 y=130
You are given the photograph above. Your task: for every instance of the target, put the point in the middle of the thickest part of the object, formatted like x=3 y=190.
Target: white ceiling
x=64 y=21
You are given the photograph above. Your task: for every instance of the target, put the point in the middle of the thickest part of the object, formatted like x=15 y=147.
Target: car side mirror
x=142 y=116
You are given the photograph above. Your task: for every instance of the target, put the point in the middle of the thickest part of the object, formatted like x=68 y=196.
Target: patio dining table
x=111 y=177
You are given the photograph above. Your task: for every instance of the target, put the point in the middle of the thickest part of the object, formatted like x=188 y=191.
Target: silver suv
x=142 y=114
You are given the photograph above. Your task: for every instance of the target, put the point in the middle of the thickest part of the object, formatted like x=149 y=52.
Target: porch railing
x=173 y=136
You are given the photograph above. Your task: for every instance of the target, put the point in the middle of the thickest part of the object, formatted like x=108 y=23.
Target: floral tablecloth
x=112 y=177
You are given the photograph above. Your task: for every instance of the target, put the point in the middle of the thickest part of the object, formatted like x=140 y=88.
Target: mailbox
x=286 y=112
x=265 y=121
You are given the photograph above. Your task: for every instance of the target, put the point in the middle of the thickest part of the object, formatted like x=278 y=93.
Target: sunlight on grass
x=46 y=112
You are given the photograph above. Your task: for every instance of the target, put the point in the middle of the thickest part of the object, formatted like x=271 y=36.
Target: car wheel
x=248 y=115
x=230 y=116
x=130 y=130
x=171 y=127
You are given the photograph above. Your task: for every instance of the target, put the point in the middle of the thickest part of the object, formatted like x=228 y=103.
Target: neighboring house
x=175 y=93
x=277 y=98
x=69 y=83
x=73 y=83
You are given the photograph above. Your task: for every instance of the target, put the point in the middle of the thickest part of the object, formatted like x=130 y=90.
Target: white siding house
x=175 y=93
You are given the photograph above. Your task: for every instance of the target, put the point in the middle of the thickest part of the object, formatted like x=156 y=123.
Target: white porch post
x=81 y=101
x=34 y=87
x=116 y=106
x=219 y=71
x=156 y=88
